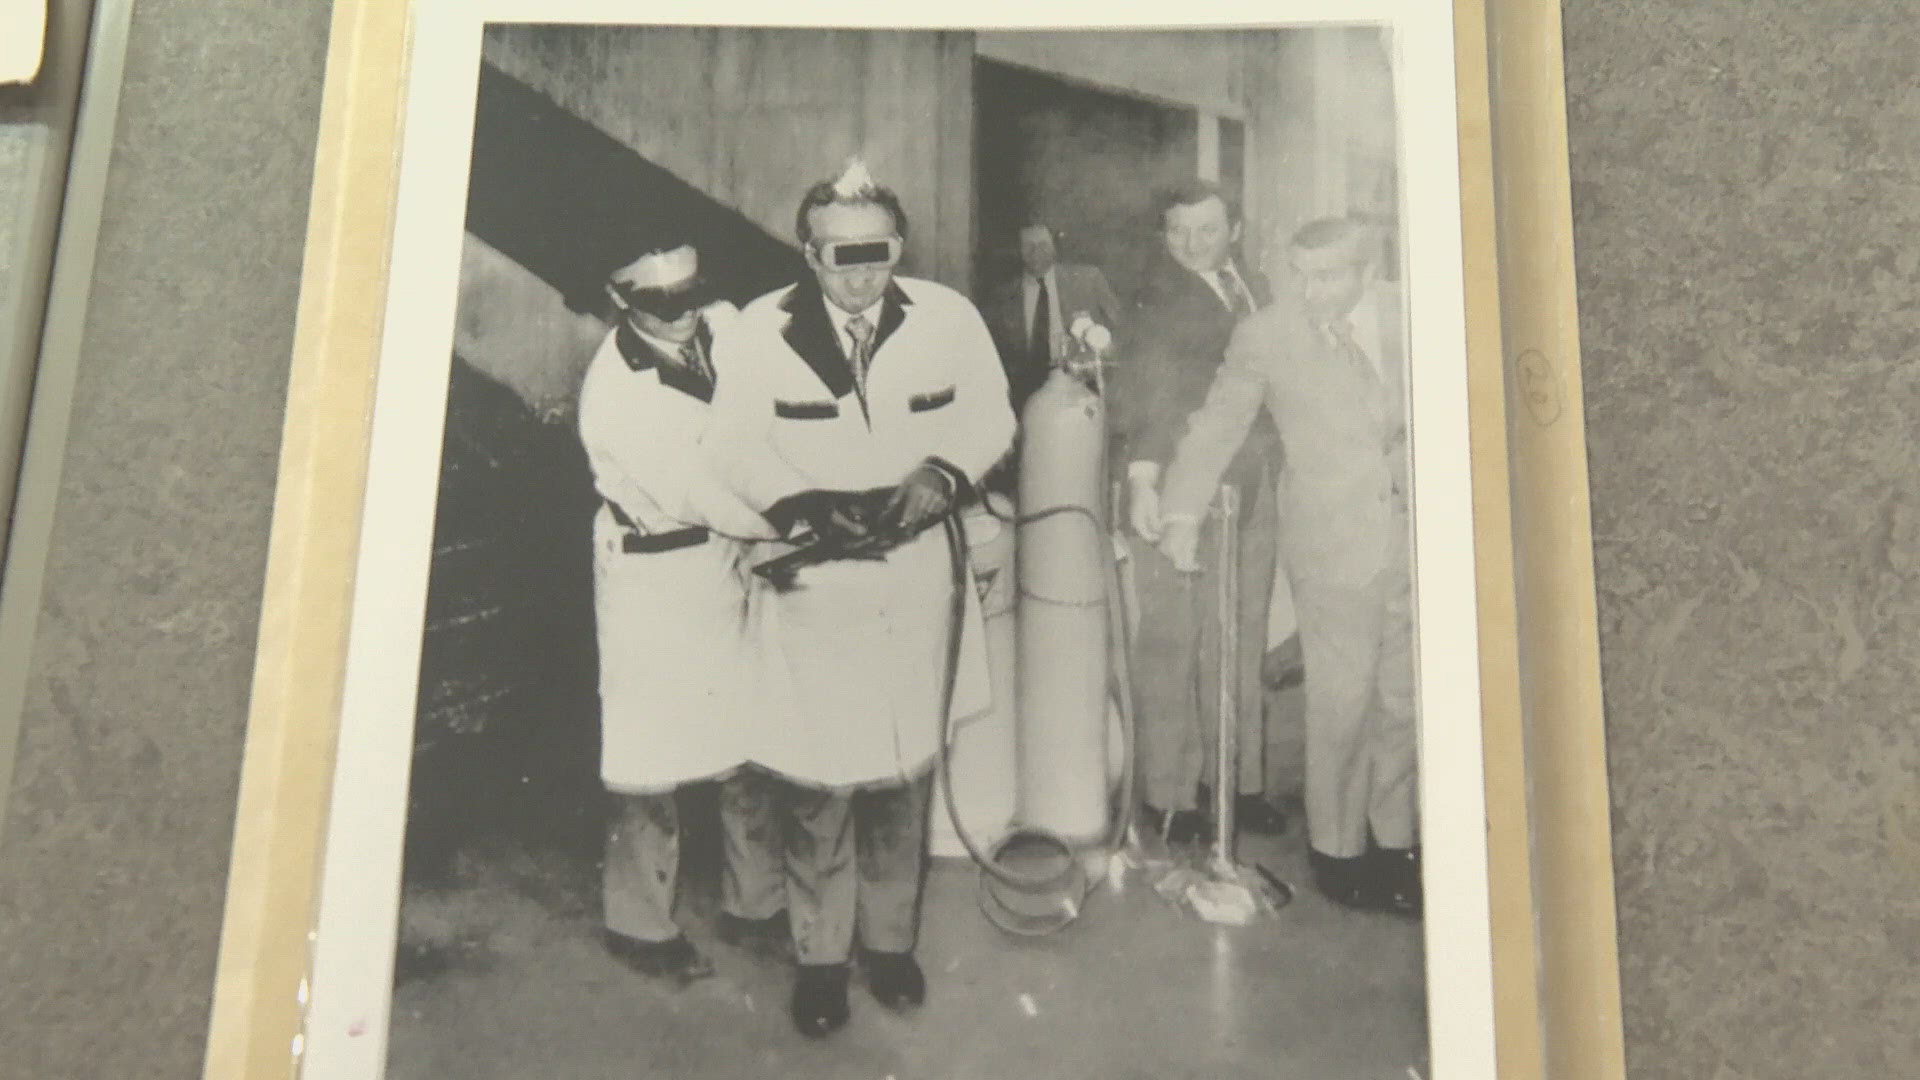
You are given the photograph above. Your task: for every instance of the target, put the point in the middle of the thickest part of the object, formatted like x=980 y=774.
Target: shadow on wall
x=565 y=200
x=506 y=733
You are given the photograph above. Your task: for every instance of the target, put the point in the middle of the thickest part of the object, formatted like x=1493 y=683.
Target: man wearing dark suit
x=1030 y=315
x=1194 y=295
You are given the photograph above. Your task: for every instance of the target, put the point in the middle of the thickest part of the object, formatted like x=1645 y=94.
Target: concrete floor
x=502 y=976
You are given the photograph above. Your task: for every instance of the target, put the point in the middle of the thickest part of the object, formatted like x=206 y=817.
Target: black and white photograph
x=915 y=552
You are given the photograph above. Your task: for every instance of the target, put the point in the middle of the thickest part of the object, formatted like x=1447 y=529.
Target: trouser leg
x=1285 y=724
x=822 y=881
x=1165 y=680
x=1392 y=809
x=642 y=867
x=753 y=877
x=1339 y=639
x=890 y=841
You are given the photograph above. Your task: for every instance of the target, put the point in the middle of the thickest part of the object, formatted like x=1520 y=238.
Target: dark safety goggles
x=851 y=254
x=667 y=305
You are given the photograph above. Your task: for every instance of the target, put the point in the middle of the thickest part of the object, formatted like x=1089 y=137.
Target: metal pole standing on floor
x=1225 y=771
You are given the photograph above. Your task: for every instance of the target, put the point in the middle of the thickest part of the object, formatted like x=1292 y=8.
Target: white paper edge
x=347 y=1023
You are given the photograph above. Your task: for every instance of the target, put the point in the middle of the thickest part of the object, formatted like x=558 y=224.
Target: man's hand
x=1180 y=542
x=1143 y=508
x=922 y=497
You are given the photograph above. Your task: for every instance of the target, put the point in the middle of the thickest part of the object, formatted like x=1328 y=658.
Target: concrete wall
x=752 y=117
x=1322 y=131
x=1210 y=74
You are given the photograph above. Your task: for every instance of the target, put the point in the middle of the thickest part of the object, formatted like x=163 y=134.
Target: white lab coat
x=855 y=655
x=676 y=694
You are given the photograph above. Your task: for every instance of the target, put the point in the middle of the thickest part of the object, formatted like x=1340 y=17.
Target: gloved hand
x=920 y=499
x=813 y=507
x=859 y=513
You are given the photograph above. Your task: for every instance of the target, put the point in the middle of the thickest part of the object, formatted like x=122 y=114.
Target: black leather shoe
x=1256 y=815
x=674 y=960
x=820 y=999
x=894 y=979
x=770 y=938
x=1343 y=881
x=1396 y=874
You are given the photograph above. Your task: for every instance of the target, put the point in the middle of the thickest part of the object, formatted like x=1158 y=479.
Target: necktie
x=861 y=331
x=696 y=359
x=1236 y=296
x=1040 y=340
x=1340 y=332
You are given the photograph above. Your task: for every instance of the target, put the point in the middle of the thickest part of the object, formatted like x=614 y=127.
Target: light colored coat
x=676 y=698
x=1343 y=487
x=854 y=655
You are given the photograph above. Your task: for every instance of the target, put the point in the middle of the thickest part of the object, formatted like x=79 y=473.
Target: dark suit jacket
x=1082 y=288
x=1179 y=333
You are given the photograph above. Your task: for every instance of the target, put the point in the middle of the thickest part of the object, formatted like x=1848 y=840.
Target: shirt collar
x=1234 y=281
x=668 y=349
x=841 y=316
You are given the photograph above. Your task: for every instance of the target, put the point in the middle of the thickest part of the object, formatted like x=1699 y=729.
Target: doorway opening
x=1087 y=161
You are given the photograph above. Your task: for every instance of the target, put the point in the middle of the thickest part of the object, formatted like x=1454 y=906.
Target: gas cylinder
x=981 y=756
x=1063 y=720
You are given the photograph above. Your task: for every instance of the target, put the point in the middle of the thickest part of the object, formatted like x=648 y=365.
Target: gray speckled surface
x=113 y=858
x=1747 y=187
x=1747 y=190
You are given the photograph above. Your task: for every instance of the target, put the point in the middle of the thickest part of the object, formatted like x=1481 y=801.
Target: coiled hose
x=1040 y=901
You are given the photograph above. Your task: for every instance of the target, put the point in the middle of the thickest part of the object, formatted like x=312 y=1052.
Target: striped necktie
x=861 y=331
x=696 y=359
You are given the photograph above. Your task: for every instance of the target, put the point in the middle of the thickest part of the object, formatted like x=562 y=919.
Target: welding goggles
x=854 y=254
x=667 y=305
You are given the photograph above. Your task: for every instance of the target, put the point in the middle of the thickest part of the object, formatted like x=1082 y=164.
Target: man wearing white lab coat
x=670 y=606
x=857 y=387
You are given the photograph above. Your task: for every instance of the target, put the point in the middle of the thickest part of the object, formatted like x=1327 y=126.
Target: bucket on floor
x=1049 y=882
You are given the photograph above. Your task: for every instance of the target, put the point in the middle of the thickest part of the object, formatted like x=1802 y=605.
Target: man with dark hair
x=859 y=407
x=1030 y=315
x=1195 y=293
x=1328 y=364
x=669 y=599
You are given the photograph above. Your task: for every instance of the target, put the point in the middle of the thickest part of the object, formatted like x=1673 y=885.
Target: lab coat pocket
x=806 y=410
x=933 y=399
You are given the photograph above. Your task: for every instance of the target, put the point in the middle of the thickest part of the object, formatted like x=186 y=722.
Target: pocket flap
x=931 y=400
x=806 y=410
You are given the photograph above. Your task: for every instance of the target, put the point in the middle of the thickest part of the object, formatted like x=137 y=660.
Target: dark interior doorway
x=1087 y=161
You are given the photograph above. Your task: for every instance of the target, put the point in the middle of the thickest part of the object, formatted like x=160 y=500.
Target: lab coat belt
x=635 y=542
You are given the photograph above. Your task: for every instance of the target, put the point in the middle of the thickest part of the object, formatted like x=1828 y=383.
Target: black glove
x=813 y=507
x=861 y=513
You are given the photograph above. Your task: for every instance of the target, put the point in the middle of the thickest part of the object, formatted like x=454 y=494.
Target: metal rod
x=1227 y=754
